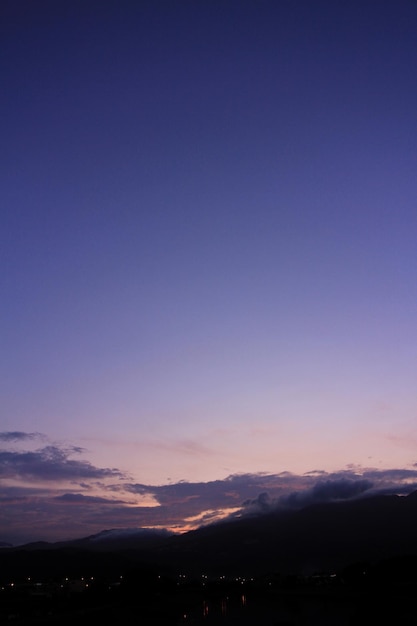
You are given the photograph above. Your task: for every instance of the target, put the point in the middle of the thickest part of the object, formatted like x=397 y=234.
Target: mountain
x=123 y=539
x=115 y=539
x=320 y=537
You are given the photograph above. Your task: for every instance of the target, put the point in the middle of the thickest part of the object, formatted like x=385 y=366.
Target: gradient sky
x=208 y=246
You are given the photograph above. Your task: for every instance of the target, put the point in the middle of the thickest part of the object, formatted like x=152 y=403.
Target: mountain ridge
x=318 y=537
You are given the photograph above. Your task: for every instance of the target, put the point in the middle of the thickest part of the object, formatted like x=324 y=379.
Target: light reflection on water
x=224 y=605
x=221 y=610
x=237 y=610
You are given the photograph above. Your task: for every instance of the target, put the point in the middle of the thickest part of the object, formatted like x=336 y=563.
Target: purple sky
x=208 y=249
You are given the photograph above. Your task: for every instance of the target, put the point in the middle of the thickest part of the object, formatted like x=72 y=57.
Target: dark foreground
x=355 y=596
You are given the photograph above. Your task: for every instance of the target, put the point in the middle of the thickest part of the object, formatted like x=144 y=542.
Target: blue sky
x=208 y=231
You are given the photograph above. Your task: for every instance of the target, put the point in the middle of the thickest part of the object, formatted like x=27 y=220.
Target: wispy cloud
x=188 y=447
x=17 y=435
x=80 y=498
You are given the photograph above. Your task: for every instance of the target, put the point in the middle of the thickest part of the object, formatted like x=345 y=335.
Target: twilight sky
x=208 y=244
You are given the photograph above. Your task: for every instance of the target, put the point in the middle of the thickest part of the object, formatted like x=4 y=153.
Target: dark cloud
x=327 y=491
x=51 y=463
x=17 y=435
x=261 y=504
x=11 y=499
x=32 y=511
x=79 y=498
x=260 y=493
x=394 y=475
x=230 y=491
x=320 y=486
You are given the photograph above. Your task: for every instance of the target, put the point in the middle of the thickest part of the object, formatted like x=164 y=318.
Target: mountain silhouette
x=319 y=537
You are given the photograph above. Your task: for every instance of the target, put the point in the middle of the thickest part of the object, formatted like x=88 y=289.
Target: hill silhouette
x=320 y=537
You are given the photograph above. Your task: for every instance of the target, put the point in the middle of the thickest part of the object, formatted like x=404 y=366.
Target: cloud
x=79 y=498
x=47 y=494
x=328 y=491
x=51 y=463
x=231 y=491
x=331 y=487
x=187 y=447
x=392 y=475
x=260 y=493
x=261 y=504
x=207 y=517
x=18 y=435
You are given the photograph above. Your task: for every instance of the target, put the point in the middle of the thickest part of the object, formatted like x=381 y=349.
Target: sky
x=208 y=249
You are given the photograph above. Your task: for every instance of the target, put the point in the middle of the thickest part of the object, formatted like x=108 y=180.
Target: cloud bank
x=48 y=495
x=50 y=463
